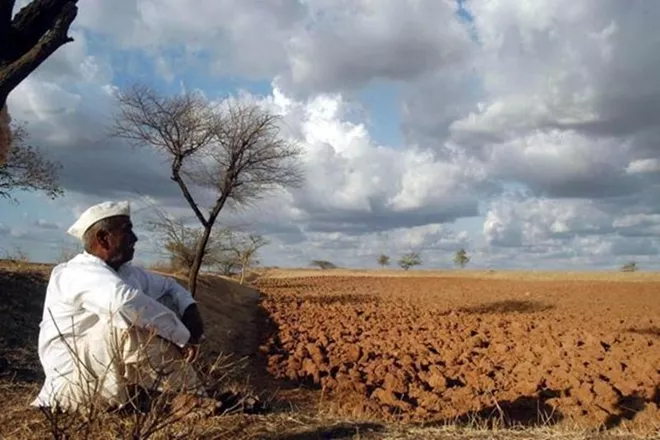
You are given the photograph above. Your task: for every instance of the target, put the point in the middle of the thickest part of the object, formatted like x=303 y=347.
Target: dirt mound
x=447 y=349
x=230 y=312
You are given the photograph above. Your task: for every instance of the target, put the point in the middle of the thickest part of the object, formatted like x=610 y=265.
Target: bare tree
x=180 y=242
x=27 y=170
x=244 y=251
x=233 y=149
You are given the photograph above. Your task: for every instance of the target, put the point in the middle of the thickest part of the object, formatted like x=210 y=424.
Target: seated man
x=108 y=325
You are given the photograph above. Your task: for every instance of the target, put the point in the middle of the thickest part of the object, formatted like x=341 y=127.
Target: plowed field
x=451 y=348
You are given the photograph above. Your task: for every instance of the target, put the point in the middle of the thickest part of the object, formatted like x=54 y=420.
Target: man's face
x=121 y=241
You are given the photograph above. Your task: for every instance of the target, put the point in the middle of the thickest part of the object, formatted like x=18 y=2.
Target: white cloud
x=567 y=64
x=352 y=178
x=641 y=166
x=348 y=44
x=554 y=98
x=529 y=221
x=569 y=228
x=246 y=37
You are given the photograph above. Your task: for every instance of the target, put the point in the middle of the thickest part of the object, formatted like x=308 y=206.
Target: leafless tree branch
x=232 y=148
x=26 y=169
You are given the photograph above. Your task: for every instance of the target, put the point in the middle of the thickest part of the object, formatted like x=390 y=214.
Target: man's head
x=107 y=232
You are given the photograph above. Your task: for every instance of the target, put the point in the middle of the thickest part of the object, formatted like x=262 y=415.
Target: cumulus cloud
x=559 y=96
x=348 y=44
x=355 y=185
x=319 y=46
x=247 y=37
x=564 y=64
x=569 y=228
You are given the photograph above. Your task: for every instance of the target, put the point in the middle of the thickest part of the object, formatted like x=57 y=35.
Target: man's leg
x=157 y=364
x=110 y=361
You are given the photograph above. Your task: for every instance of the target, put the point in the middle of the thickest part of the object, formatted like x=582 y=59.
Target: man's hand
x=190 y=352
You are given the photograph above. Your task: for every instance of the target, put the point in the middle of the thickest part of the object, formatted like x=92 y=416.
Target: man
x=108 y=325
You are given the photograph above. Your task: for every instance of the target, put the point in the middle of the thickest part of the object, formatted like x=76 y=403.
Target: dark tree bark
x=30 y=37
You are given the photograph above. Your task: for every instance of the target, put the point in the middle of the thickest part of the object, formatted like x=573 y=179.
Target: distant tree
x=384 y=260
x=409 y=260
x=180 y=242
x=323 y=264
x=233 y=149
x=243 y=250
x=461 y=258
x=631 y=266
x=26 y=169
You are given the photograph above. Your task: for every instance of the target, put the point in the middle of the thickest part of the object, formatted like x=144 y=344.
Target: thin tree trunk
x=197 y=262
x=201 y=246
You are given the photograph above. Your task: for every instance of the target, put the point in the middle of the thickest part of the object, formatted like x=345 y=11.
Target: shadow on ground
x=647 y=331
x=526 y=411
x=508 y=306
x=347 y=298
x=629 y=406
x=340 y=431
x=20 y=313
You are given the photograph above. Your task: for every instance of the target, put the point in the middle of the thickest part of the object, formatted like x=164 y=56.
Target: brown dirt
x=451 y=349
x=376 y=333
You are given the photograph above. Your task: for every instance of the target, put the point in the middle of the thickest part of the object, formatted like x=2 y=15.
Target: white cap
x=96 y=213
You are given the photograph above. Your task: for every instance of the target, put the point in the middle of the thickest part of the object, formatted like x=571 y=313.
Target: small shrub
x=630 y=267
x=461 y=258
x=323 y=264
x=384 y=260
x=409 y=260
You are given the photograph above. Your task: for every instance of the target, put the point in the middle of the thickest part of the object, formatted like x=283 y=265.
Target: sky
x=526 y=132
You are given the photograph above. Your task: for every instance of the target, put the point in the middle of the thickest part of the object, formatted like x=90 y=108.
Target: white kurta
x=85 y=296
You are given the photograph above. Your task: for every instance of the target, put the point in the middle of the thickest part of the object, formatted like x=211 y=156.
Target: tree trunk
x=201 y=246
x=197 y=262
x=242 y=274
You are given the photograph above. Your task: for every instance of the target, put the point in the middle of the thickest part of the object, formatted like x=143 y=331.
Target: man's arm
x=156 y=285
x=105 y=294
